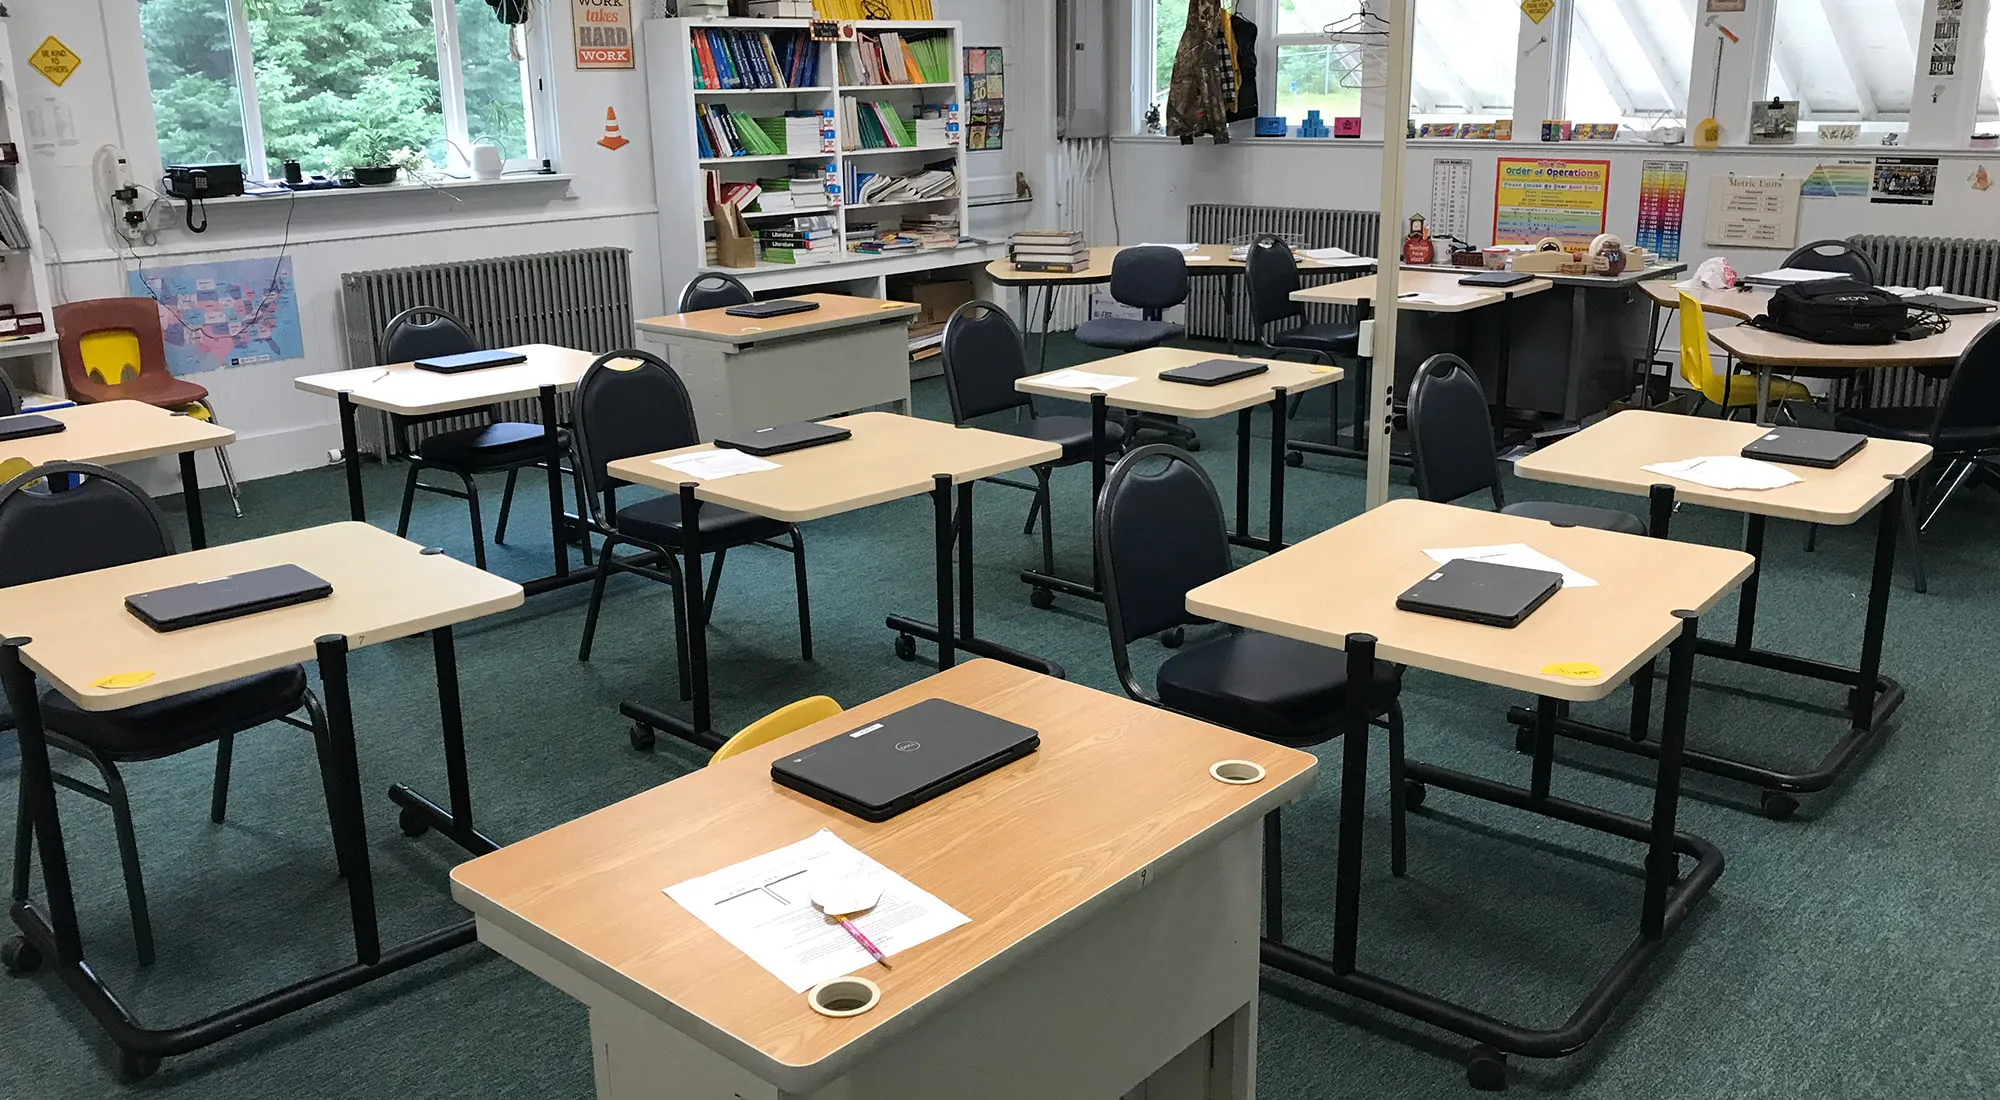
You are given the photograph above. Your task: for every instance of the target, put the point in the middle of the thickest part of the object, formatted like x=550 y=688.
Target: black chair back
x=1971 y=397
x=628 y=403
x=714 y=290
x=1451 y=432
x=1273 y=275
x=1832 y=255
x=1150 y=277
x=1160 y=534
x=10 y=398
x=406 y=339
x=982 y=355
x=103 y=522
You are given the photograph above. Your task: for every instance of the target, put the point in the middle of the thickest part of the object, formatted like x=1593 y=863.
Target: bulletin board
x=1536 y=197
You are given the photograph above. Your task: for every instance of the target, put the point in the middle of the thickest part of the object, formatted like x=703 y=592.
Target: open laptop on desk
x=905 y=759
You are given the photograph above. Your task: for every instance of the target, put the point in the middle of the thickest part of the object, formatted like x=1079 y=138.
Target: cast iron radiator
x=579 y=299
x=1216 y=223
x=1961 y=265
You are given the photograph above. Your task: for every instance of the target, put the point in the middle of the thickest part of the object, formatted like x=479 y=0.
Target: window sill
x=401 y=188
x=1580 y=148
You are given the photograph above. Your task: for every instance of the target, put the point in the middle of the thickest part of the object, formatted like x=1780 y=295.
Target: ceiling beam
x=1444 y=73
x=1584 y=41
x=1673 y=79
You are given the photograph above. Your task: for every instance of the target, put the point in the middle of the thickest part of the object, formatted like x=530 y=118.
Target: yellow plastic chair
x=790 y=718
x=1727 y=390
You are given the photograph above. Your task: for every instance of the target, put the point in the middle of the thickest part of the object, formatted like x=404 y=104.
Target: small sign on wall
x=603 y=33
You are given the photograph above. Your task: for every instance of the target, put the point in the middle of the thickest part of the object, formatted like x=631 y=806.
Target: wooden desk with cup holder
x=1768 y=351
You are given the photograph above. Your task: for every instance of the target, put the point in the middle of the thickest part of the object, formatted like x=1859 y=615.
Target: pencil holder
x=840 y=997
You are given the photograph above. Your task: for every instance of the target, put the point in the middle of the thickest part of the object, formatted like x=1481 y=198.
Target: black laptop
x=777 y=308
x=470 y=360
x=1481 y=592
x=1496 y=279
x=784 y=437
x=1214 y=372
x=1805 y=447
x=1949 y=304
x=905 y=759
x=27 y=425
x=230 y=597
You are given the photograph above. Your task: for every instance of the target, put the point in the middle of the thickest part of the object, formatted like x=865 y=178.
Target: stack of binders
x=1060 y=251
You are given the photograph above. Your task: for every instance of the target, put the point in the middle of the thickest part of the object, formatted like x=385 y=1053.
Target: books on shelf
x=875 y=125
x=920 y=57
x=864 y=9
x=812 y=240
x=800 y=192
x=865 y=188
x=900 y=235
x=13 y=227
x=723 y=131
x=1055 y=250
x=736 y=59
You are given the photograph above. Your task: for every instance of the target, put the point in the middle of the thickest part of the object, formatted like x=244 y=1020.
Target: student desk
x=888 y=457
x=1767 y=351
x=127 y=431
x=74 y=631
x=744 y=373
x=1339 y=589
x=1741 y=301
x=404 y=392
x=1610 y=455
x=1112 y=886
x=1151 y=394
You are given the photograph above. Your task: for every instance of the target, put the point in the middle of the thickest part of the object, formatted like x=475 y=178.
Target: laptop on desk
x=1805 y=447
x=778 y=308
x=28 y=425
x=469 y=360
x=782 y=438
x=1214 y=372
x=1481 y=592
x=1496 y=279
x=904 y=759
x=230 y=597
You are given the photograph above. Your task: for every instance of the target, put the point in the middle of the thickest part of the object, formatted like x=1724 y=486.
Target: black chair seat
x=1328 y=338
x=1578 y=515
x=1071 y=433
x=1127 y=334
x=1267 y=686
x=179 y=722
x=1914 y=425
x=658 y=521
x=493 y=447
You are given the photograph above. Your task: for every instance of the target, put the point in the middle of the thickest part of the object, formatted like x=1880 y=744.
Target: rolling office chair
x=1153 y=279
x=783 y=722
x=114 y=349
x=1273 y=276
x=713 y=290
x=1831 y=255
x=101 y=522
x=631 y=403
x=1451 y=444
x=1161 y=534
x=499 y=445
x=983 y=355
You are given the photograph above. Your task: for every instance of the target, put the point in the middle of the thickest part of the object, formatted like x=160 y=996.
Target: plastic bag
x=1714 y=274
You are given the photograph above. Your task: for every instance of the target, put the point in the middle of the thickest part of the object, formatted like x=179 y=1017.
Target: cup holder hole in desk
x=1237 y=771
x=844 y=997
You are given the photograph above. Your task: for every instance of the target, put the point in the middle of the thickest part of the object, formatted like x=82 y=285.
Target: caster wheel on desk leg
x=19 y=957
x=1174 y=639
x=413 y=823
x=1486 y=1070
x=1295 y=459
x=134 y=1068
x=906 y=647
x=1042 y=598
x=1414 y=794
x=1193 y=445
x=1779 y=806
x=642 y=737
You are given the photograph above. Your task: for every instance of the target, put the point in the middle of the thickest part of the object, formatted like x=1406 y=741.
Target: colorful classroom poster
x=1663 y=188
x=1535 y=198
x=1840 y=179
x=225 y=314
x=603 y=31
x=985 y=97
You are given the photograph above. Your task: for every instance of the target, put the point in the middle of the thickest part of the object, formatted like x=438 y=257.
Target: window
x=1845 y=60
x=1320 y=47
x=1463 y=59
x=1169 y=20
x=333 y=84
x=1628 y=62
x=1989 y=85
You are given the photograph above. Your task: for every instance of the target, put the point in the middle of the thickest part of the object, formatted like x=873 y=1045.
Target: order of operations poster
x=1542 y=197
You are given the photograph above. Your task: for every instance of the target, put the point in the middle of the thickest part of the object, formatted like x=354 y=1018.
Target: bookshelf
x=24 y=274
x=679 y=81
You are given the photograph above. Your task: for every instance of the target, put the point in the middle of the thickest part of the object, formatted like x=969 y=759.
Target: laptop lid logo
x=908 y=746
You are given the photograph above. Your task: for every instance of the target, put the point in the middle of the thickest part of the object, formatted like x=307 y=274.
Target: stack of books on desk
x=1057 y=250
x=801 y=241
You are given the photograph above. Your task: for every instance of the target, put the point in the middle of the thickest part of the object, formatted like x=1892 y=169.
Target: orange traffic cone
x=611 y=138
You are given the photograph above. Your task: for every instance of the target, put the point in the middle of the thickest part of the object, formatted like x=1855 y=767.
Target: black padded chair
x=1151 y=278
x=631 y=403
x=1831 y=255
x=1161 y=534
x=1272 y=274
x=105 y=521
x=983 y=355
x=10 y=398
x=500 y=445
x=1451 y=445
x=713 y=290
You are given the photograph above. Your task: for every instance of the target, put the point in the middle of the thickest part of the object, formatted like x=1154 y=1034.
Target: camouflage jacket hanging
x=1196 y=101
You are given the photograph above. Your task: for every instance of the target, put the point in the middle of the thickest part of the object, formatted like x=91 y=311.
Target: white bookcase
x=24 y=274
x=685 y=227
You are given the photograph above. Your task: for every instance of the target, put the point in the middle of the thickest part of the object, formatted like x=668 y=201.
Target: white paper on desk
x=1792 y=275
x=1517 y=554
x=1727 y=472
x=1084 y=380
x=721 y=462
x=1183 y=249
x=1324 y=254
x=763 y=906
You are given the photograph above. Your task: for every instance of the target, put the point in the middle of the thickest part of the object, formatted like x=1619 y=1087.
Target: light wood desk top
x=1207 y=259
x=888 y=458
x=1151 y=394
x=383 y=588
x=1348 y=292
x=1610 y=455
x=1118 y=791
x=1346 y=580
x=836 y=311
x=406 y=391
x=1740 y=304
x=1764 y=348
x=116 y=431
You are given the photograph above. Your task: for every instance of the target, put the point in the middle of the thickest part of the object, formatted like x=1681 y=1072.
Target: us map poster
x=223 y=314
x=1537 y=197
x=1663 y=188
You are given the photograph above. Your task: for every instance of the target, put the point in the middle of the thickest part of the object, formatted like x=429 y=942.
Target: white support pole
x=1389 y=248
x=1943 y=104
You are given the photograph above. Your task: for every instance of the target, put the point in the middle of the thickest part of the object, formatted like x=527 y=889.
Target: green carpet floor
x=1847 y=953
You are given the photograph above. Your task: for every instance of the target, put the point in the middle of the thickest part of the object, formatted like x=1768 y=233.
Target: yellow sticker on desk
x=123 y=679
x=1324 y=370
x=1574 y=670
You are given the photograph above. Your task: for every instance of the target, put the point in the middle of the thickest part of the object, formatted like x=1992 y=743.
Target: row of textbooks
x=873 y=9
x=891 y=58
x=722 y=131
x=727 y=59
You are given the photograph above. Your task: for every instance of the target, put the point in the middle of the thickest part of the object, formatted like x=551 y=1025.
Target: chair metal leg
x=682 y=669
x=1812 y=537
x=128 y=857
x=1274 y=876
x=478 y=528
x=1965 y=469
x=222 y=462
x=24 y=841
x=323 y=749
x=409 y=499
x=218 y=798
x=799 y=583
x=506 y=506
x=597 y=597
x=1398 y=794
x=714 y=582
x=1912 y=531
x=1042 y=496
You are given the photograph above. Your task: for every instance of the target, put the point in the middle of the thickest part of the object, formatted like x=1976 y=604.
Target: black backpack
x=1836 y=311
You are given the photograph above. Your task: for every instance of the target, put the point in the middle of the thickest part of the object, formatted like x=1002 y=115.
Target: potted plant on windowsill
x=371 y=156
